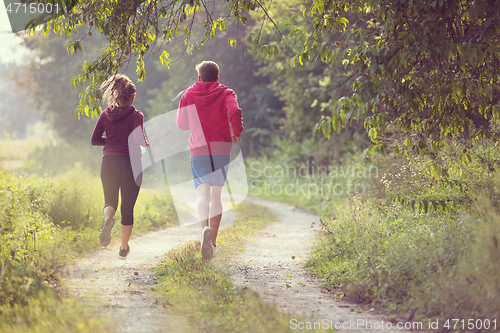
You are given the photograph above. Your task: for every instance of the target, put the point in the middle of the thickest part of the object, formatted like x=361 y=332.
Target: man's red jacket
x=208 y=109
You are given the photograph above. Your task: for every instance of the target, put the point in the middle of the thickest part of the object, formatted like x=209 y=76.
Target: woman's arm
x=97 y=139
x=139 y=135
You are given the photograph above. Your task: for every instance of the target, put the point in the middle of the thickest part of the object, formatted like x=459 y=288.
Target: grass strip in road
x=203 y=291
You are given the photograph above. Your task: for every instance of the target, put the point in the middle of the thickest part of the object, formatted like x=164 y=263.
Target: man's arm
x=181 y=118
x=235 y=115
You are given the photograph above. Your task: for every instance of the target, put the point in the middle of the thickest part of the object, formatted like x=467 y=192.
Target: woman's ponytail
x=117 y=90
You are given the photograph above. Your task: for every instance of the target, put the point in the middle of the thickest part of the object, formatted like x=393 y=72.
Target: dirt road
x=123 y=289
x=271 y=264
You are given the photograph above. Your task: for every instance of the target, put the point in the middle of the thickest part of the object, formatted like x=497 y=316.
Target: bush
x=437 y=250
x=41 y=224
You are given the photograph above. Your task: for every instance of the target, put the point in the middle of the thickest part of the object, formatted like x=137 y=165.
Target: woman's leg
x=126 y=233
x=129 y=193
x=109 y=212
x=110 y=184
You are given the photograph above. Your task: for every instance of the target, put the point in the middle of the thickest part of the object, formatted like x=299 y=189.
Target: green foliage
x=56 y=102
x=18 y=150
x=154 y=210
x=45 y=80
x=135 y=30
x=307 y=90
x=386 y=250
x=429 y=69
x=425 y=69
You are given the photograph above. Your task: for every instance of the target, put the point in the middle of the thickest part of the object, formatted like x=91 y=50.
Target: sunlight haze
x=11 y=51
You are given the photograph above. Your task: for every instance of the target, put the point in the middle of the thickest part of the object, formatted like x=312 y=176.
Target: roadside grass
x=45 y=222
x=48 y=312
x=42 y=225
x=203 y=291
x=442 y=260
x=444 y=264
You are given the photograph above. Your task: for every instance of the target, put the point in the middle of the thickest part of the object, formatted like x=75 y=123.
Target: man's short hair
x=208 y=71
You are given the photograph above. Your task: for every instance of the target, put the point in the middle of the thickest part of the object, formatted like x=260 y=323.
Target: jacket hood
x=206 y=92
x=119 y=113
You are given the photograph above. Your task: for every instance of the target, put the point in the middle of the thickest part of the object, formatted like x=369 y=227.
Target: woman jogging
x=118 y=121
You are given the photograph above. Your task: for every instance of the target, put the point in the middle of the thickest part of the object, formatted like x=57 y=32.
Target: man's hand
x=236 y=139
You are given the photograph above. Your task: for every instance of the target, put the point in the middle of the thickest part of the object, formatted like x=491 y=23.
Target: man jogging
x=210 y=110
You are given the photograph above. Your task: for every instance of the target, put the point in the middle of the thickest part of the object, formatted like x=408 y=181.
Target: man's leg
x=215 y=211
x=203 y=195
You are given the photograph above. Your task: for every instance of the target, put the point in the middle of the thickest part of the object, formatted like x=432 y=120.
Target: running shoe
x=105 y=236
x=123 y=253
x=206 y=243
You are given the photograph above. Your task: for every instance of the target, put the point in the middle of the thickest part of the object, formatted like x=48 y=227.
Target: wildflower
x=432 y=235
x=444 y=227
x=459 y=223
x=388 y=232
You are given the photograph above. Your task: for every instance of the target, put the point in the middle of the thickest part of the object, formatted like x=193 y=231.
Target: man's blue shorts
x=210 y=168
